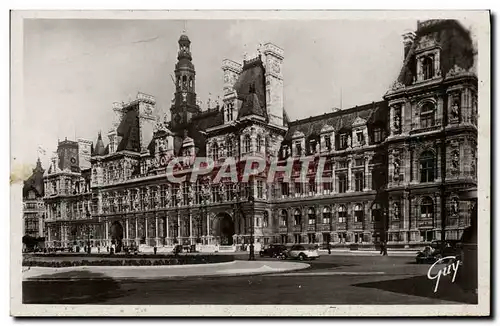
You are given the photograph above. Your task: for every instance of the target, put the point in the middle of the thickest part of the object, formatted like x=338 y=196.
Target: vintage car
x=430 y=254
x=303 y=252
x=273 y=250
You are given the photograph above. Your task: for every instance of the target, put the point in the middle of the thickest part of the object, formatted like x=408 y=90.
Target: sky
x=75 y=69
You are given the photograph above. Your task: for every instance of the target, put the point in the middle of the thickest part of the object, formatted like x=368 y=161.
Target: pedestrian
x=329 y=248
x=381 y=248
x=385 y=248
x=98 y=249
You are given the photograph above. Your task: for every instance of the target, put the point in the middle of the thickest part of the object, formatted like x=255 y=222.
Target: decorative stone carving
x=455 y=160
x=397 y=86
x=455 y=71
x=455 y=109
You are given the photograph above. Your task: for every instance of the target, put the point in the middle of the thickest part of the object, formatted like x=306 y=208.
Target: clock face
x=184 y=97
x=73 y=160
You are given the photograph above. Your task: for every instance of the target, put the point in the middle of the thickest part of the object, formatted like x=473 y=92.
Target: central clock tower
x=184 y=106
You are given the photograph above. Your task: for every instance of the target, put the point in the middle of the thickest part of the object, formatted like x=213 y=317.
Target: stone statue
x=455 y=160
x=396 y=165
x=397 y=122
x=454 y=206
x=396 y=210
x=455 y=110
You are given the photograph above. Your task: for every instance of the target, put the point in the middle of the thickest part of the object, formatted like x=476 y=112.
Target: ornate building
x=33 y=206
x=392 y=168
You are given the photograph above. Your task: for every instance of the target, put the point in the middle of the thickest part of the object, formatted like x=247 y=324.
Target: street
x=335 y=279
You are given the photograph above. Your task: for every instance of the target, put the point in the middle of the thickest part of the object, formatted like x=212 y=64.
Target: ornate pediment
x=327 y=128
x=298 y=134
x=359 y=122
x=455 y=71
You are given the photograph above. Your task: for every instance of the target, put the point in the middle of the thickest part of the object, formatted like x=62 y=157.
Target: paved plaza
x=332 y=279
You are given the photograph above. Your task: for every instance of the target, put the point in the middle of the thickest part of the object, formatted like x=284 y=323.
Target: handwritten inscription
x=444 y=271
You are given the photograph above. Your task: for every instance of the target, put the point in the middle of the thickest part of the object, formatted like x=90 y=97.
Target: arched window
x=297 y=217
x=327 y=214
x=342 y=211
x=427 y=167
x=426 y=208
x=284 y=218
x=247 y=144
x=259 y=143
x=312 y=216
x=428 y=67
x=215 y=151
x=358 y=213
x=427 y=115
x=265 y=219
x=376 y=212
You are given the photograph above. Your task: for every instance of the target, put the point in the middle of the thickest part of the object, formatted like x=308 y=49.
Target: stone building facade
x=33 y=205
x=395 y=165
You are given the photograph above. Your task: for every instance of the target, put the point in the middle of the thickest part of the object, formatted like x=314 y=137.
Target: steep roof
x=35 y=181
x=251 y=88
x=129 y=131
x=375 y=112
x=455 y=42
x=99 y=149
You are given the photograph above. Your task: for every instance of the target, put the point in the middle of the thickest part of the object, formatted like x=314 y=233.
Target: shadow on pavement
x=423 y=287
x=61 y=289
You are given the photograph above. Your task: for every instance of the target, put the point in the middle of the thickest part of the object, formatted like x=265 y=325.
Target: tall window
x=327 y=214
x=185 y=193
x=120 y=203
x=428 y=67
x=360 y=137
x=215 y=151
x=265 y=219
x=343 y=141
x=427 y=115
x=328 y=142
x=427 y=167
x=260 y=189
x=229 y=147
x=377 y=135
x=298 y=187
x=247 y=144
x=327 y=187
x=285 y=190
x=342 y=211
x=376 y=212
x=284 y=218
x=358 y=181
x=297 y=217
x=358 y=213
x=175 y=189
x=312 y=186
x=163 y=193
x=259 y=143
x=143 y=198
x=426 y=208
x=152 y=198
x=342 y=183
x=312 y=216
x=298 y=148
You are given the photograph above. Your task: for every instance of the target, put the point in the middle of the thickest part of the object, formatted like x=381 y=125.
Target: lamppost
x=88 y=234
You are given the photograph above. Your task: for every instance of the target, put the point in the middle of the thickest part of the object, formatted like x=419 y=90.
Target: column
x=191 y=239
x=366 y=175
x=178 y=225
x=146 y=227
x=136 y=231
x=168 y=229
x=106 y=232
x=157 y=240
x=127 y=232
x=405 y=215
x=349 y=178
x=208 y=228
x=62 y=235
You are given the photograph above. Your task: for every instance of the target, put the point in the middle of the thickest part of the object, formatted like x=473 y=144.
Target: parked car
x=302 y=252
x=430 y=254
x=273 y=250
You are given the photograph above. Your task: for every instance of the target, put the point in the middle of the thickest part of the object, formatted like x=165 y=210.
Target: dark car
x=273 y=251
x=430 y=254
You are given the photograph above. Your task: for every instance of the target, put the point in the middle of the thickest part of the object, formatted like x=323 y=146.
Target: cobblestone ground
x=332 y=279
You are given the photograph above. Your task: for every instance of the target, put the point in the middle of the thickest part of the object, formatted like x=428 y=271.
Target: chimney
x=408 y=39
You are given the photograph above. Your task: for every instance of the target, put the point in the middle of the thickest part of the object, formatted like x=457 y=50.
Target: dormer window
x=343 y=141
x=312 y=146
x=229 y=112
x=428 y=67
x=259 y=143
x=360 y=137
x=298 y=148
x=247 y=144
x=377 y=135
x=215 y=151
x=328 y=142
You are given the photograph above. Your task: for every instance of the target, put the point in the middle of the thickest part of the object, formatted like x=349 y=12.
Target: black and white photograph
x=250 y=163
